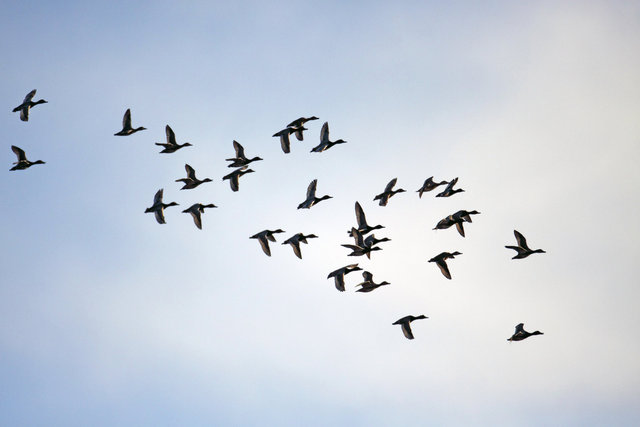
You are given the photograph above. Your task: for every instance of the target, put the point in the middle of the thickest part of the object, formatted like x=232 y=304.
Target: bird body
x=295 y=241
x=264 y=237
x=325 y=143
x=449 y=191
x=405 y=323
x=363 y=227
x=158 y=207
x=522 y=248
x=429 y=185
x=191 y=181
x=171 y=146
x=369 y=285
x=388 y=192
x=22 y=162
x=284 y=134
x=196 y=210
x=441 y=262
x=338 y=275
x=127 y=129
x=520 y=334
x=311 y=199
x=240 y=159
x=234 y=177
x=26 y=105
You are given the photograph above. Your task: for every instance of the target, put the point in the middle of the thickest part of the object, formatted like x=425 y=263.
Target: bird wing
x=157 y=199
x=519 y=328
x=522 y=242
x=239 y=149
x=442 y=264
x=191 y=173
x=24 y=113
x=29 y=97
x=324 y=133
x=19 y=152
x=339 y=282
x=126 y=119
x=406 y=330
x=299 y=135
x=296 y=123
x=460 y=228
x=311 y=190
x=197 y=218
x=265 y=244
x=390 y=185
x=362 y=220
x=159 y=213
x=171 y=137
x=233 y=180
x=368 y=277
x=295 y=244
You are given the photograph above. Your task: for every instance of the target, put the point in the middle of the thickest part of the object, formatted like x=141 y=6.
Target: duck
x=127 y=129
x=22 y=162
x=338 y=275
x=522 y=248
x=264 y=237
x=363 y=227
x=311 y=199
x=158 y=207
x=520 y=334
x=388 y=192
x=295 y=241
x=196 y=210
x=449 y=191
x=191 y=181
x=369 y=285
x=234 y=177
x=361 y=247
x=464 y=215
x=456 y=219
x=441 y=262
x=300 y=122
x=171 y=146
x=240 y=159
x=325 y=144
x=405 y=323
x=429 y=185
x=285 y=143
x=26 y=105
x=371 y=240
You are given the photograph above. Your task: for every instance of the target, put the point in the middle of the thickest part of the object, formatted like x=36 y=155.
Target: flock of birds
x=365 y=241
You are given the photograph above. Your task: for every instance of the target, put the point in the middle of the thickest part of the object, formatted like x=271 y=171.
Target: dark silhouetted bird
x=264 y=237
x=522 y=248
x=127 y=129
x=441 y=262
x=338 y=275
x=158 y=207
x=520 y=334
x=311 y=199
x=22 y=162
x=26 y=105
x=171 y=146
x=196 y=210
x=191 y=181
x=405 y=323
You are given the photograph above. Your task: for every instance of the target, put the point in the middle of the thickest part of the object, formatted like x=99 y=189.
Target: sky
x=109 y=318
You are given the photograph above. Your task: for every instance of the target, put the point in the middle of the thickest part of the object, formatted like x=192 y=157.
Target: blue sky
x=109 y=318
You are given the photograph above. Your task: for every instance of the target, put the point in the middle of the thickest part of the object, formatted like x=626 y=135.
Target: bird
x=388 y=192
x=369 y=285
x=22 y=162
x=338 y=275
x=522 y=248
x=361 y=248
x=191 y=181
x=371 y=240
x=126 y=125
x=405 y=323
x=234 y=177
x=285 y=143
x=240 y=159
x=196 y=210
x=520 y=334
x=363 y=227
x=295 y=241
x=464 y=215
x=300 y=122
x=171 y=146
x=26 y=105
x=449 y=191
x=456 y=219
x=264 y=237
x=158 y=207
x=441 y=262
x=325 y=144
x=311 y=199
x=429 y=185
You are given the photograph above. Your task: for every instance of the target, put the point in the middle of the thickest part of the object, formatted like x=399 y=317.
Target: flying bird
x=522 y=248
x=298 y=125
x=127 y=129
x=388 y=192
x=234 y=177
x=449 y=191
x=158 y=207
x=295 y=241
x=363 y=227
x=338 y=275
x=325 y=143
x=240 y=159
x=191 y=181
x=429 y=185
x=369 y=285
x=520 y=334
x=196 y=210
x=264 y=237
x=405 y=323
x=171 y=146
x=441 y=262
x=284 y=134
x=22 y=162
x=361 y=247
x=311 y=199
x=26 y=105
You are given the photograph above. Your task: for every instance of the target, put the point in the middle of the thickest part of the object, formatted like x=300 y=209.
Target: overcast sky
x=109 y=318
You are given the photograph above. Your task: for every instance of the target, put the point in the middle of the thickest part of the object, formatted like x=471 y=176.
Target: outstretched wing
x=522 y=242
x=157 y=199
x=362 y=220
x=239 y=149
x=390 y=185
x=126 y=119
x=368 y=277
x=197 y=218
x=160 y=216
x=406 y=330
x=324 y=133
x=311 y=190
x=265 y=244
x=460 y=228
x=171 y=137
x=442 y=264
x=519 y=328
x=29 y=97
x=191 y=173
x=19 y=152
